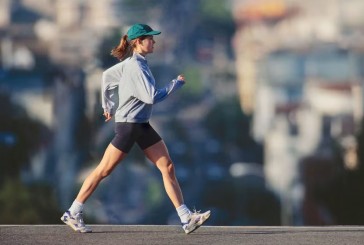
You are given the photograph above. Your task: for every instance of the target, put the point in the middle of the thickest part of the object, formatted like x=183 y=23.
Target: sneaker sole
x=74 y=227
x=204 y=218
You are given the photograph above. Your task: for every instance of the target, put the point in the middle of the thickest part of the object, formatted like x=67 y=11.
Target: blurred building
x=300 y=74
x=4 y=13
x=45 y=48
x=67 y=32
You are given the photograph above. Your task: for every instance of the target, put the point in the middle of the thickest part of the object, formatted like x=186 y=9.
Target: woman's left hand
x=181 y=78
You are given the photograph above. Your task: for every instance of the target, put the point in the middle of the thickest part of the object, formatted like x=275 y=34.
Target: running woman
x=137 y=94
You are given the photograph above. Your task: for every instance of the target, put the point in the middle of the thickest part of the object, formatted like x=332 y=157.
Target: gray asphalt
x=123 y=234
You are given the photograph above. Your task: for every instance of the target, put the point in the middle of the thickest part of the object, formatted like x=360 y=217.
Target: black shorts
x=126 y=134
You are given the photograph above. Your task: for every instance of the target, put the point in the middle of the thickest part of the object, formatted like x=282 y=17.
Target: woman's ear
x=139 y=41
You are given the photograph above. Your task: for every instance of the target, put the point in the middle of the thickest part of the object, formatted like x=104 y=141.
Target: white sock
x=183 y=213
x=76 y=207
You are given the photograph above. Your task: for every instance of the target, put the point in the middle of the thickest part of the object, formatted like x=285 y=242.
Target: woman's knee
x=105 y=172
x=166 y=165
x=111 y=159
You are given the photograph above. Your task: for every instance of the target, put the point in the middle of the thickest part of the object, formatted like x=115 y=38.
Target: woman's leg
x=159 y=155
x=111 y=158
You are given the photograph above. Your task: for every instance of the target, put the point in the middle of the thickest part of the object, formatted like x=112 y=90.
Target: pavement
x=169 y=234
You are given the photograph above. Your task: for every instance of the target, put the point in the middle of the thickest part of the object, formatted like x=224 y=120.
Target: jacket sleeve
x=145 y=90
x=163 y=93
x=109 y=87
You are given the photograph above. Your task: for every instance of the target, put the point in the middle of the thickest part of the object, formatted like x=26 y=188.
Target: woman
x=137 y=94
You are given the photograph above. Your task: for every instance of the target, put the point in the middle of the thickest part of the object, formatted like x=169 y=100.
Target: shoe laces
x=192 y=216
x=196 y=211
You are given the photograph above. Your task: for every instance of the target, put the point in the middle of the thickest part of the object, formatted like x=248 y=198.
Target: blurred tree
x=20 y=137
x=331 y=190
x=218 y=10
x=193 y=90
x=22 y=204
x=360 y=149
x=243 y=200
x=227 y=123
x=213 y=24
x=347 y=199
x=149 y=9
x=107 y=44
x=346 y=196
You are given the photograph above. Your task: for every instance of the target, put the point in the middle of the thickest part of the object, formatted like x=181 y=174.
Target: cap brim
x=153 y=33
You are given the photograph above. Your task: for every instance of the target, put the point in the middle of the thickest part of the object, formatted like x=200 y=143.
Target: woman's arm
x=145 y=90
x=110 y=82
x=161 y=94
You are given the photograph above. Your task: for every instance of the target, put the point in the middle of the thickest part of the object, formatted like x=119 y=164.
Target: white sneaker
x=75 y=222
x=196 y=220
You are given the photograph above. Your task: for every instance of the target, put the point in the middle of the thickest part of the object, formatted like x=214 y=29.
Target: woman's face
x=146 y=45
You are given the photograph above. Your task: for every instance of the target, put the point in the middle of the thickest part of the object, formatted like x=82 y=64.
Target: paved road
x=134 y=235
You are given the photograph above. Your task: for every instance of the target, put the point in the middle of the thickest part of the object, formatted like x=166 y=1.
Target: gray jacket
x=136 y=91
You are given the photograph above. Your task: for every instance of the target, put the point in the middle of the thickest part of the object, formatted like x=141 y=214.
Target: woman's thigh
x=158 y=153
x=111 y=158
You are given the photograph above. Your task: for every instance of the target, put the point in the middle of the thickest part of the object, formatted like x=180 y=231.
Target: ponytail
x=124 y=49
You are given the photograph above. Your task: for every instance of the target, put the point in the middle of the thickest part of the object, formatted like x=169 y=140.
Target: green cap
x=139 y=30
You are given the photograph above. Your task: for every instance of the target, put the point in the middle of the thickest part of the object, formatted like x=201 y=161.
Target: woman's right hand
x=108 y=116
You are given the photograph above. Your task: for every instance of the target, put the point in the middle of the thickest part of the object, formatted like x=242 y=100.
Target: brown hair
x=125 y=47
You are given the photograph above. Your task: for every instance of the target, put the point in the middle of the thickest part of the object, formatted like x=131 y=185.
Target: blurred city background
x=267 y=131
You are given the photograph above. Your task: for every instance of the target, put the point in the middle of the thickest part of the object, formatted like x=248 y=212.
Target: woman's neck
x=140 y=52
